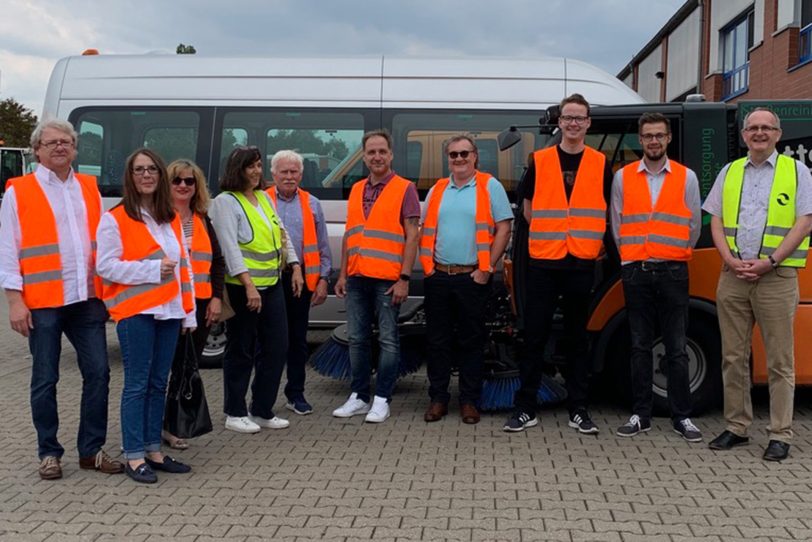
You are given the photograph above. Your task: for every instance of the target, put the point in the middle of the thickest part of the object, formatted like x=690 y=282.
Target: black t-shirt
x=569 y=169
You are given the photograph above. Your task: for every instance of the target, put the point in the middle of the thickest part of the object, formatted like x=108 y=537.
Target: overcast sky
x=34 y=34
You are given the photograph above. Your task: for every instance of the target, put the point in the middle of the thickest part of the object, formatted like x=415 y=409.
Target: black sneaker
x=688 y=430
x=635 y=425
x=581 y=421
x=519 y=421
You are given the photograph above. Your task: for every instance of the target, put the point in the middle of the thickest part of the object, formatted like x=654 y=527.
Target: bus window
x=11 y=165
x=429 y=130
x=108 y=135
x=328 y=141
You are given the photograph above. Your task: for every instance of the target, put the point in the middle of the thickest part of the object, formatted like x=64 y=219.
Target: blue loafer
x=169 y=465
x=142 y=474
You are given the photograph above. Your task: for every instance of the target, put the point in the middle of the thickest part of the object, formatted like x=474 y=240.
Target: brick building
x=728 y=50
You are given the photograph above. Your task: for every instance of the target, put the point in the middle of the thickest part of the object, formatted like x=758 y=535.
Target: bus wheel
x=703 y=346
x=215 y=348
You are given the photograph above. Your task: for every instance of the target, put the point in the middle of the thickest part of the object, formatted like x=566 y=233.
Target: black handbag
x=187 y=413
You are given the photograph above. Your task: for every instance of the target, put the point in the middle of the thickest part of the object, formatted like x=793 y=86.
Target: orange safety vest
x=40 y=261
x=662 y=232
x=375 y=244
x=123 y=300
x=558 y=228
x=200 y=256
x=310 y=243
x=483 y=218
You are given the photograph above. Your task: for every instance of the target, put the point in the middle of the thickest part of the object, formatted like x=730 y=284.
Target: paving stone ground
x=330 y=479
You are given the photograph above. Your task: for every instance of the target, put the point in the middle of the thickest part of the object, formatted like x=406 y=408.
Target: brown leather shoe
x=435 y=412
x=469 y=413
x=102 y=463
x=50 y=468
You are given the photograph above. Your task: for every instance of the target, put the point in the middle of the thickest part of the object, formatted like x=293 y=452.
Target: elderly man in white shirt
x=47 y=258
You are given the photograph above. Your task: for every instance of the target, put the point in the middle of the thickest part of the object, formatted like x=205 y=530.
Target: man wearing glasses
x=465 y=231
x=656 y=221
x=48 y=227
x=563 y=193
x=761 y=207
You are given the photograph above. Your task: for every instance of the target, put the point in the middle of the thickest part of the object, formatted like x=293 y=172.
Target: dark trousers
x=258 y=341
x=658 y=293
x=544 y=286
x=298 y=311
x=83 y=324
x=455 y=331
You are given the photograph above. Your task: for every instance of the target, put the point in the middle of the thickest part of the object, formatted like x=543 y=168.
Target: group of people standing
x=162 y=262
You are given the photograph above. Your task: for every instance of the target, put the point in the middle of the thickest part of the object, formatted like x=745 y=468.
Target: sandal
x=174 y=442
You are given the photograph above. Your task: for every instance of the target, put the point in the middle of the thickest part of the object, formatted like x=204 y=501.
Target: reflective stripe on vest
x=310 y=243
x=658 y=230
x=483 y=222
x=559 y=227
x=261 y=253
x=40 y=260
x=780 y=218
x=137 y=243
x=375 y=244
x=201 y=255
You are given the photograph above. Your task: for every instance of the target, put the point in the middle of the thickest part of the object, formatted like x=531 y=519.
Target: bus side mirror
x=508 y=138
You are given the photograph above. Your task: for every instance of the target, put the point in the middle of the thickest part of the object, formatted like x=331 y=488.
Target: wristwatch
x=772 y=261
x=404 y=276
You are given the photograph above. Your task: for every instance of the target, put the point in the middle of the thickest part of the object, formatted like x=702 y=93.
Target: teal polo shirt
x=456 y=224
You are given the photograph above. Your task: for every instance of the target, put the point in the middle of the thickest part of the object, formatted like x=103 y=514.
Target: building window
x=737 y=39
x=805 y=43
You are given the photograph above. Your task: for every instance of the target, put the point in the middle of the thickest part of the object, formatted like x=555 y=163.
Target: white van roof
x=379 y=81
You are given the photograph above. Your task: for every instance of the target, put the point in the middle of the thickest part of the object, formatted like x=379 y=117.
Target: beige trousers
x=771 y=302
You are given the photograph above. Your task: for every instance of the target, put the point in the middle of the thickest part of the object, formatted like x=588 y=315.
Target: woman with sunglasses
x=190 y=199
x=255 y=245
x=148 y=291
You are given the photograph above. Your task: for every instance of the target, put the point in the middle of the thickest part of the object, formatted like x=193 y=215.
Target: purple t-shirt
x=411 y=202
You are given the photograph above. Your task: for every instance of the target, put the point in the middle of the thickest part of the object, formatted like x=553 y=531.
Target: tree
x=16 y=123
x=185 y=49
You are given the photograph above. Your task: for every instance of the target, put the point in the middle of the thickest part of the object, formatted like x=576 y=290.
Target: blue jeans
x=147 y=349
x=366 y=297
x=657 y=293
x=83 y=325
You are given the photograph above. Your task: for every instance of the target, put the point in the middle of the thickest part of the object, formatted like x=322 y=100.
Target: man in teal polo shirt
x=465 y=230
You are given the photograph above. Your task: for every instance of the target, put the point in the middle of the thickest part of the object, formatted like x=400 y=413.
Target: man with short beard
x=656 y=221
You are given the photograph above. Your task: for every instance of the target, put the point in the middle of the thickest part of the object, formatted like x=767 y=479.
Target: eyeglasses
x=51 y=145
x=765 y=129
x=462 y=154
x=566 y=119
x=141 y=170
x=648 y=138
x=188 y=181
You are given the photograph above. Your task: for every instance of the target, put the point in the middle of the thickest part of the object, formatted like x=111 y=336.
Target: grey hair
x=462 y=137
x=57 y=124
x=768 y=110
x=286 y=155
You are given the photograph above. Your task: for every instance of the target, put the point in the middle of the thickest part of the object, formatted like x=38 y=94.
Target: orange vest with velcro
x=483 y=218
x=661 y=231
x=123 y=300
x=310 y=243
x=558 y=227
x=40 y=261
x=375 y=244
x=200 y=257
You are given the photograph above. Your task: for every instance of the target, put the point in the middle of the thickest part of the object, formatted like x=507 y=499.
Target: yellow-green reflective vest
x=261 y=253
x=780 y=212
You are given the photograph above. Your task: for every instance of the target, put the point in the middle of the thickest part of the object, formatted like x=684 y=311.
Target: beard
x=654 y=156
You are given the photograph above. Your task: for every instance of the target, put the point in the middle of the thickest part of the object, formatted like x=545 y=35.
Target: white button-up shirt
x=111 y=267
x=68 y=207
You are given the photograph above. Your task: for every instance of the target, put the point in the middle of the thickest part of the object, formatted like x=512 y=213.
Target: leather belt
x=454 y=269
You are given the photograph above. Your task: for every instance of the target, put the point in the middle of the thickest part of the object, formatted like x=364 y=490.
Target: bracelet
x=772 y=261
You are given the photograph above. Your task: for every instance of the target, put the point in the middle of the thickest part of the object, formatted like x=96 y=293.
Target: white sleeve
x=109 y=264
x=10 y=239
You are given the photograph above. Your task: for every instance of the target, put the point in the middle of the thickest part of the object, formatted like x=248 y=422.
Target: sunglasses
x=188 y=181
x=462 y=154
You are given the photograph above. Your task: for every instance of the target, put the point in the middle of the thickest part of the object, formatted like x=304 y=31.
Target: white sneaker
x=352 y=407
x=379 y=411
x=274 y=423
x=241 y=424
